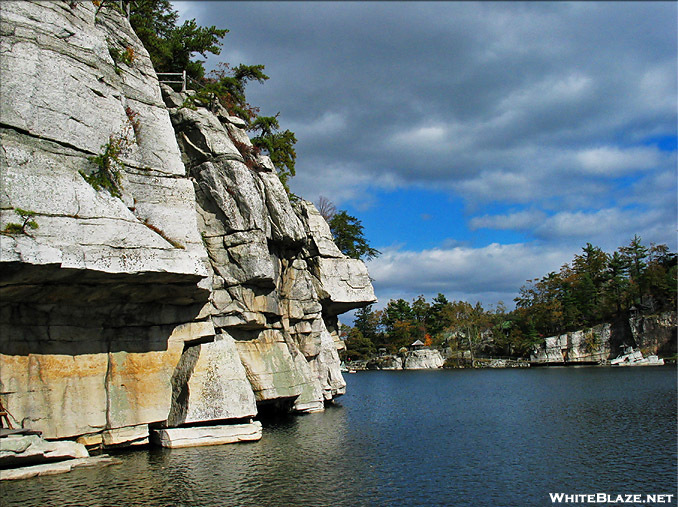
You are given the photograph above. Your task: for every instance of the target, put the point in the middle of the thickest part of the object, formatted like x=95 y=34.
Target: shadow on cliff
x=51 y=310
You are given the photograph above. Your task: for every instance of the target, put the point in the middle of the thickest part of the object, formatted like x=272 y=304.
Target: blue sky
x=480 y=144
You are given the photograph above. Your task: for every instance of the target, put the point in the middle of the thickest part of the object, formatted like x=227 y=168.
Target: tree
x=398 y=322
x=326 y=208
x=542 y=302
x=279 y=145
x=617 y=282
x=660 y=277
x=226 y=85
x=358 y=346
x=501 y=329
x=437 y=321
x=590 y=274
x=367 y=322
x=396 y=310
x=635 y=254
x=348 y=236
x=469 y=324
x=420 y=314
x=171 y=47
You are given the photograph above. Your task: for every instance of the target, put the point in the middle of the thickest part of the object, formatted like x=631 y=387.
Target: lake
x=450 y=437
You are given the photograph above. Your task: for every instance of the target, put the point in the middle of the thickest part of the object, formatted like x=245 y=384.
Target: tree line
x=593 y=288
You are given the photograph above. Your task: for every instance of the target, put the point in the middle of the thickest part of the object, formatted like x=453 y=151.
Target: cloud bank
x=554 y=123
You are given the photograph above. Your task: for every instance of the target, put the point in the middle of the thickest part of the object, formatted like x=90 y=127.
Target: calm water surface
x=456 y=437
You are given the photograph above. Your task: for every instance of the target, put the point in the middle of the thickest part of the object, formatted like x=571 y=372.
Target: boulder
x=210 y=384
x=23 y=450
x=423 y=359
x=57 y=467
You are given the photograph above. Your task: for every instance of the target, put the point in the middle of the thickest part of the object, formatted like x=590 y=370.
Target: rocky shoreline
x=650 y=340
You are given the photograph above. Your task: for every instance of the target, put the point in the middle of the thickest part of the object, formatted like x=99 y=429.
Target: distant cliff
x=652 y=334
x=200 y=293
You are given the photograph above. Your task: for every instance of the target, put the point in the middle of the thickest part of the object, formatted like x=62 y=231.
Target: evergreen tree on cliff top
x=171 y=48
x=349 y=238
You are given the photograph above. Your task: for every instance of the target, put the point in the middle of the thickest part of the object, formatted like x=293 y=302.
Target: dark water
x=485 y=437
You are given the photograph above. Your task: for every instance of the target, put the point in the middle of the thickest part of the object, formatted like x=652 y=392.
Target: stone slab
x=207 y=435
x=58 y=467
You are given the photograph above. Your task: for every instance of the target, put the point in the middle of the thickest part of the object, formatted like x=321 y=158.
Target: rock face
x=423 y=359
x=278 y=281
x=591 y=345
x=651 y=334
x=655 y=334
x=197 y=295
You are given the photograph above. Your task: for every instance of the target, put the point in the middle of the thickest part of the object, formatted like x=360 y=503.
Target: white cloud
x=657 y=87
x=608 y=228
x=612 y=161
x=425 y=137
x=550 y=91
x=501 y=185
x=487 y=274
x=526 y=219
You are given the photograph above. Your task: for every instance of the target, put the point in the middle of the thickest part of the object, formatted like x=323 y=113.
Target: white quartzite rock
x=423 y=359
x=80 y=352
x=21 y=450
x=189 y=299
x=585 y=345
x=210 y=385
x=58 y=467
x=207 y=435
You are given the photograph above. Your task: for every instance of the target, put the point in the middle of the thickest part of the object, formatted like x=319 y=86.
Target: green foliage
x=170 y=46
x=596 y=287
x=349 y=238
x=226 y=86
x=127 y=56
x=28 y=221
x=278 y=145
x=13 y=228
x=367 y=322
x=358 y=346
x=109 y=164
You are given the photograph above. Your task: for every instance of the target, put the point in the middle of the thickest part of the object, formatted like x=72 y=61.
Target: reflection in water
x=502 y=437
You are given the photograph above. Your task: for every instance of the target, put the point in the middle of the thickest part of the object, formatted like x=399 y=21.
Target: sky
x=480 y=144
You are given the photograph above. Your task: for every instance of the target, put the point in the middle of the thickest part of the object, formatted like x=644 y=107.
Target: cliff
x=652 y=335
x=198 y=294
x=420 y=359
